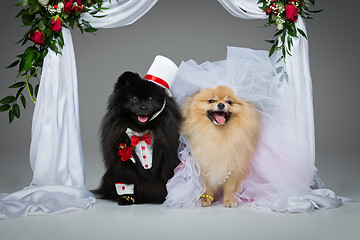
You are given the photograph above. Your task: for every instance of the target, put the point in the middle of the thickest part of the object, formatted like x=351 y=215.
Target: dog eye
x=151 y=99
x=212 y=101
x=229 y=102
x=134 y=99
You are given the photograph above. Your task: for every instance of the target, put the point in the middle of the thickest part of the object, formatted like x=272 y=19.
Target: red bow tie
x=136 y=139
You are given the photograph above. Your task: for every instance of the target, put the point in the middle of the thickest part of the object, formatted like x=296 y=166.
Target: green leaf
x=7 y=100
x=13 y=64
x=97 y=16
x=292 y=33
x=16 y=110
x=60 y=41
x=286 y=76
x=54 y=47
x=279 y=70
x=288 y=52
x=31 y=89
x=23 y=3
x=90 y=29
x=303 y=14
x=33 y=8
x=23 y=100
x=20 y=13
x=41 y=25
x=4 y=108
x=65 y=16
x=302 y=33
x=312 y=2
x=270 y=41
x=282 y=78
x=11 y=115
x=316 y=11
x=289 y=42
x=86 y=23
x=31 y=50
x=283 y=38
x=278 y=33
x=27 y=18
x=272 y=50
x=22 y=40
x=19 y=92
x=17 y=85
x=36 y=90
x=280 y=58
x=26 y=62
x=283 y=51
x=44 y=53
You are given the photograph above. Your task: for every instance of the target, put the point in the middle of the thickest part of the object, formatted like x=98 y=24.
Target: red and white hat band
x=162 y=72
x=157 y=80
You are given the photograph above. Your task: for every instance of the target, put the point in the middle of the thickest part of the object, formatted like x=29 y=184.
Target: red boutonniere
x=125 y=152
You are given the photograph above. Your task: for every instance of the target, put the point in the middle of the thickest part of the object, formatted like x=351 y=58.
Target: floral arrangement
x=44 y=20
x=125 y=151
x=283 y=14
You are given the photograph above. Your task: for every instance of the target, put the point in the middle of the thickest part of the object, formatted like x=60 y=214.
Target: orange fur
x=221 y=148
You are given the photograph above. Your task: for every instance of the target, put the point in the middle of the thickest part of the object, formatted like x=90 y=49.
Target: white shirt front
x=142 y=150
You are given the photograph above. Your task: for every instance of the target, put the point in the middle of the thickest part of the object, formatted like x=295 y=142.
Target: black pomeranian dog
x=139 y=106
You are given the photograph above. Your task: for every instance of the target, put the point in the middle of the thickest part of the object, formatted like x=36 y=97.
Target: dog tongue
x=142 y=118
x=220 y=118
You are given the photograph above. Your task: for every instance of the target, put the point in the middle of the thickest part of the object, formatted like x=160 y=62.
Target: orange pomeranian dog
x=223 y=131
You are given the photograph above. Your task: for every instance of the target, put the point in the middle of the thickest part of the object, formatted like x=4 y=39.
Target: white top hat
x=162 y=72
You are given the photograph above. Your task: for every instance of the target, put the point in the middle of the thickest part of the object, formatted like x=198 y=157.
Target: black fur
x=150 y=185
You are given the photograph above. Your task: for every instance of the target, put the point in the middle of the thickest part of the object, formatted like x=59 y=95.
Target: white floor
x=106 y=220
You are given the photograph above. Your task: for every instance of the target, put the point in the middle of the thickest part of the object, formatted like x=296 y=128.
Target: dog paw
x=126 y=200
x=205 y=202
x=230 y=203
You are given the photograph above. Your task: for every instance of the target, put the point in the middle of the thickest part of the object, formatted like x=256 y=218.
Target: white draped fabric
x=56 y=155
x=299 y=111
x=283 y=175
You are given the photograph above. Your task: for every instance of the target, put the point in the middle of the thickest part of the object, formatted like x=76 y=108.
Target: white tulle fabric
x=282 y=172
x=283 y=175
x=56 y=155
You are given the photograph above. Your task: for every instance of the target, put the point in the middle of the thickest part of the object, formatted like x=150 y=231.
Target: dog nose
x=143 y=108
x=221 y=106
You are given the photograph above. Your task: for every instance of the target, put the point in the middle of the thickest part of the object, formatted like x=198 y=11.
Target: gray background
x=198 y=30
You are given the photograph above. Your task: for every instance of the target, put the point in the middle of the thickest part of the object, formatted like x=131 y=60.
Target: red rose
x=268 y=11
x=69 y=5
x=37 y=37
x=291 y=13
x=56 y=25
x=125 y=152
x=71 y=8
x=79 y=6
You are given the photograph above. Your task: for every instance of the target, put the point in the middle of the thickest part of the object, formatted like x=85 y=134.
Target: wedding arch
x=56 y=155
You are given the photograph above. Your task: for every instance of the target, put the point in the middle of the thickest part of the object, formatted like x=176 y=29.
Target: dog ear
x=125 y=79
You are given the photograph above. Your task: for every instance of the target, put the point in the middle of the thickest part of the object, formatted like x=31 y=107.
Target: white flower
x=51 y=10
x=43 y=2
x=60 y=5
x=280 y=26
